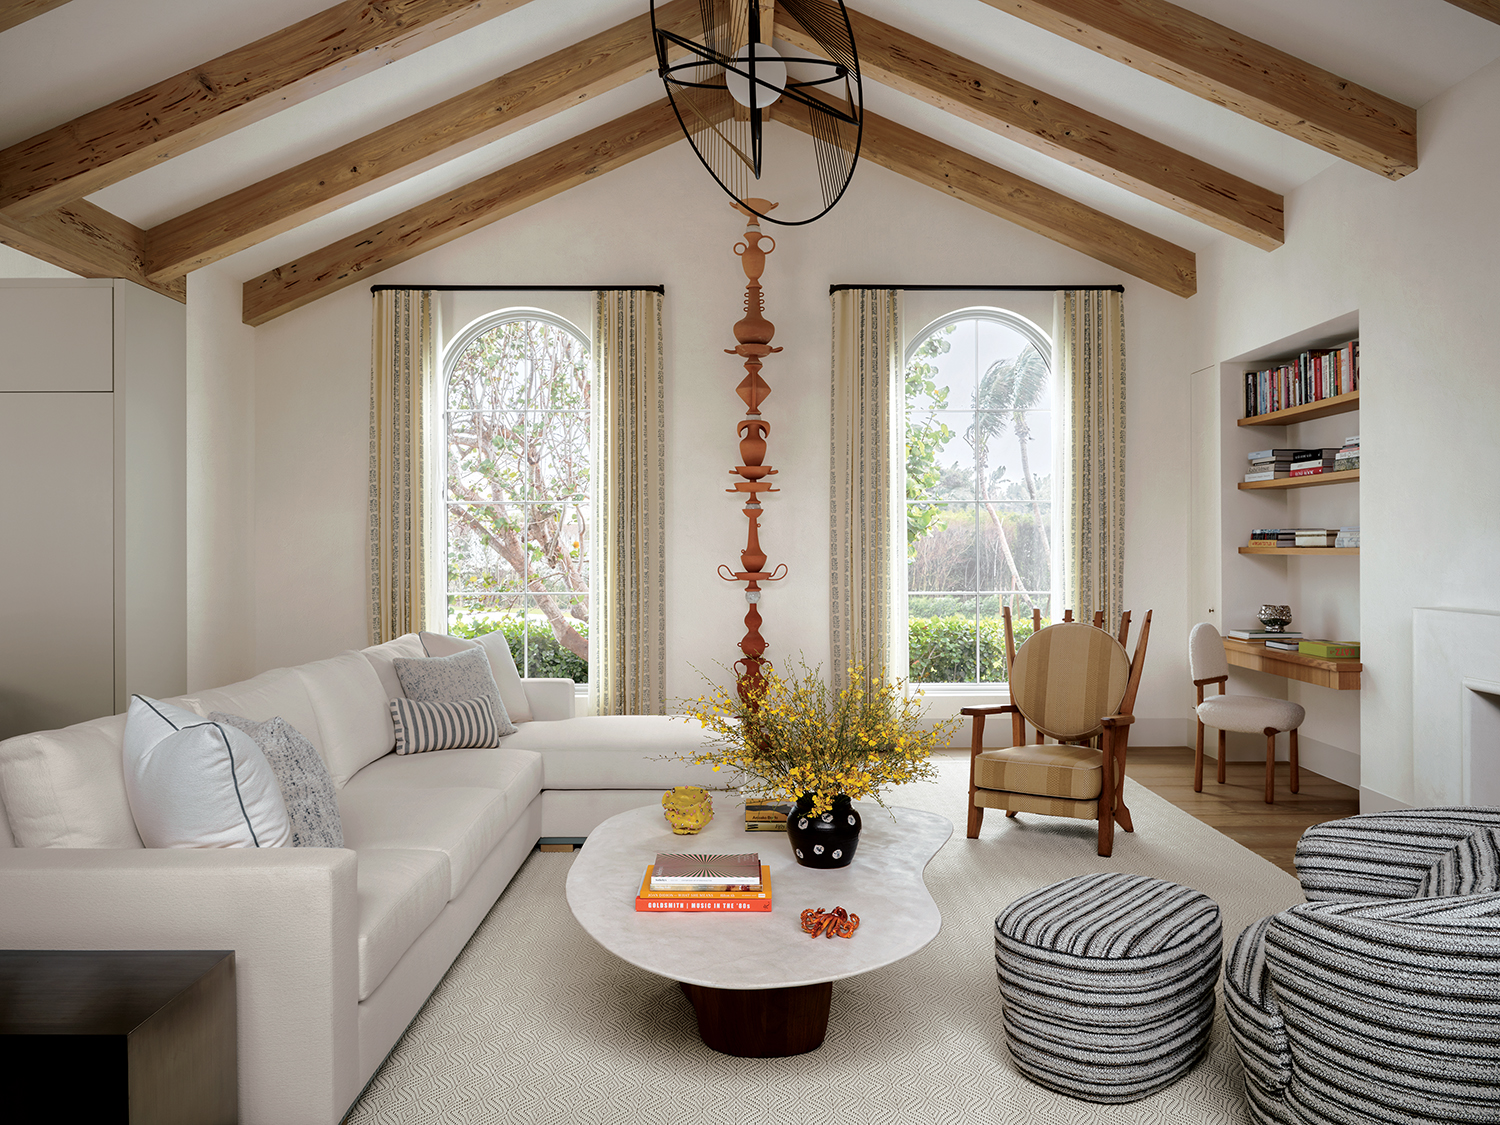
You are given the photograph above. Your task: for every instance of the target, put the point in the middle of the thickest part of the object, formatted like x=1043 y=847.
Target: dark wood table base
x=762 y=1023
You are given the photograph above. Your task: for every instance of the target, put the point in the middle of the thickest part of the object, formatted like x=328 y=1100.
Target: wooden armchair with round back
x=1074 y=683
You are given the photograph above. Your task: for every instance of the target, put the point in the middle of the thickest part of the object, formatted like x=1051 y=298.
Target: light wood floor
x=1238 y=807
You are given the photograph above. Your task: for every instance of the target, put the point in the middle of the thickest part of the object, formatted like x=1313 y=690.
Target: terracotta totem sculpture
x=753 y=333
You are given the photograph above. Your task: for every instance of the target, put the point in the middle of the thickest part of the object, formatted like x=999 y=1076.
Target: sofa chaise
x=336 y=949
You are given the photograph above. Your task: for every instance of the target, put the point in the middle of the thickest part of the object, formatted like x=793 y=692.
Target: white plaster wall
x=660 y=220
x=221 y=483
x=1419 y=259
x=15 y=263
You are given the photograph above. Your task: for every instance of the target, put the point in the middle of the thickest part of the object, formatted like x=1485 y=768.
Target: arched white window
x=979 y=473
x=517 y=499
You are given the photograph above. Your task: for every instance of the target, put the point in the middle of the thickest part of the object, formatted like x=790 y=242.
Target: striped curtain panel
x=866 y=495
x=402 y=369
x=1090 y=370
x=628 y=560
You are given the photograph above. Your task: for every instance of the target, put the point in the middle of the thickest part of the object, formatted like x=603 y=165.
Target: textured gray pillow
x=452 y=679
x=311 y=802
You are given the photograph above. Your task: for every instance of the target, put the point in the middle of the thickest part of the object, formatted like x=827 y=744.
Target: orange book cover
x=663 y=902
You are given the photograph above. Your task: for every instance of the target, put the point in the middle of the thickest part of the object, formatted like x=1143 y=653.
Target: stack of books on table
x=1330 y=650
x=1347 y=457
x=1347 y=536
x=1282 y=643
x=685 y=883
x=766 y=816
x=1263 y=635
x=1311 y=462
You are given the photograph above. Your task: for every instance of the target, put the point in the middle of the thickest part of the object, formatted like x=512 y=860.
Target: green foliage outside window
x=548 y=657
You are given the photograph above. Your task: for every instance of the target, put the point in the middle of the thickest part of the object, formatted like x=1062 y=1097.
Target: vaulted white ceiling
x=87 y=53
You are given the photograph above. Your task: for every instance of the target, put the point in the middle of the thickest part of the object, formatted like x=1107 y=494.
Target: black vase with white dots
x=826 y=840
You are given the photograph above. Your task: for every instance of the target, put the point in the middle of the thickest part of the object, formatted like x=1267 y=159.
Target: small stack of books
x=1347 y=457
x=1283 y=645
x=1262 y=634
x=1330 y=650
x=1347 y=536
x=1265 y=536
x=679 y=882
x=766 y=816
x=1316 y=536
x=1270 y=464
x=1310 y=462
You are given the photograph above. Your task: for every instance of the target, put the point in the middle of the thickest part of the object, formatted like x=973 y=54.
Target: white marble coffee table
x=762 y=987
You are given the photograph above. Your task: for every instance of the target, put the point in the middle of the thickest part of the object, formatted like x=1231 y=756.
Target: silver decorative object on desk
x=1275 y=618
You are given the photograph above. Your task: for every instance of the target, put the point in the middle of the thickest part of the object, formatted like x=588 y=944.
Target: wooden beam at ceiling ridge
x=89 y=241
x=439 y=221
x=1066 y=132
x=1485 y=9
x=1022 y=202
x=422 y=141
x=168 y=118
x=1252 y=78
x=13 y=12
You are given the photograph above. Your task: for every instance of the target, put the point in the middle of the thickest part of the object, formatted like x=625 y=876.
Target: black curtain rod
x=832 y=289
x=517 y=288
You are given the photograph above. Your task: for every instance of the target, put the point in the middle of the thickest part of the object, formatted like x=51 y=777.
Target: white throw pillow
x=198 y=784
x=502 y=664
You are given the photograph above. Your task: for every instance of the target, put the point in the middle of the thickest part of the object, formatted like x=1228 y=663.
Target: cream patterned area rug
x=536 y=1023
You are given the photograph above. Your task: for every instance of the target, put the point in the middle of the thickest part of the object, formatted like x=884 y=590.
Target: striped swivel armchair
x=1379 y=999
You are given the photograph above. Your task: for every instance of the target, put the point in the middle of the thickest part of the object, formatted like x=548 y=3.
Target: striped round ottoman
x=1107 y=983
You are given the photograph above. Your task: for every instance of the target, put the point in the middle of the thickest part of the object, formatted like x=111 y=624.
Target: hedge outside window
x=517 y=496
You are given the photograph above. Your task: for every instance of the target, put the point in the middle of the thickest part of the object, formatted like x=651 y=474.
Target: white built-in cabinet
x=93 y=500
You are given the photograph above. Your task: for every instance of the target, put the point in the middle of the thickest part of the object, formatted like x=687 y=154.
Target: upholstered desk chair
x=1248 y=714
x=1074 y=683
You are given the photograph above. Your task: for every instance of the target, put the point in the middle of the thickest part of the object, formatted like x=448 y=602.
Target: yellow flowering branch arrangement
x=794 y=736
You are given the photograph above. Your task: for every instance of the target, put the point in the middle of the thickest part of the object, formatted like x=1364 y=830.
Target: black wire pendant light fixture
x=724 y=89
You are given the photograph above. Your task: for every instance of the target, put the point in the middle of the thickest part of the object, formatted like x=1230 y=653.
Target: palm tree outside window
x=978 y=491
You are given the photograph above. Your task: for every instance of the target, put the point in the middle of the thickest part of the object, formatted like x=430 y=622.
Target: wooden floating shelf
x=1323 y=408
x=1299 y=550
x=1301 y=482
x=1341 y=675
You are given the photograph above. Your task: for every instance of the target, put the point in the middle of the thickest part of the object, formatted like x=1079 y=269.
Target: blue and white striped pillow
x=421 y=726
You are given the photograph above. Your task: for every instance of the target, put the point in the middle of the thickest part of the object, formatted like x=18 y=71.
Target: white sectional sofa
x=335 y=949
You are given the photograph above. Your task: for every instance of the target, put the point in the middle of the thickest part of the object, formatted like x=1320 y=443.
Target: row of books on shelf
x=1290 y=641
x=1273 y=464
x=1305 y=536
x=1316 y=374
x=680 y=882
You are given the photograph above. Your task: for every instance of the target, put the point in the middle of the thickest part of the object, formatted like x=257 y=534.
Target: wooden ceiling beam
x=1485 y=9
x=422 y=141
x=439 y=221
x=1017 y=200
x=1061 y=130
x=1252 y=78
x=89 y=241
x=13 y=12
x=168 y=118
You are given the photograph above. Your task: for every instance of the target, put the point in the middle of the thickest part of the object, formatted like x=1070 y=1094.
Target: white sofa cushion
x=615 y=752
x=502 y=664
x=401 y=892
x=518 y=773
x=66 y=788
x=463 y=824
x=193 y=783
x=350 y=705
x=381 y=657
x=279 y=692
